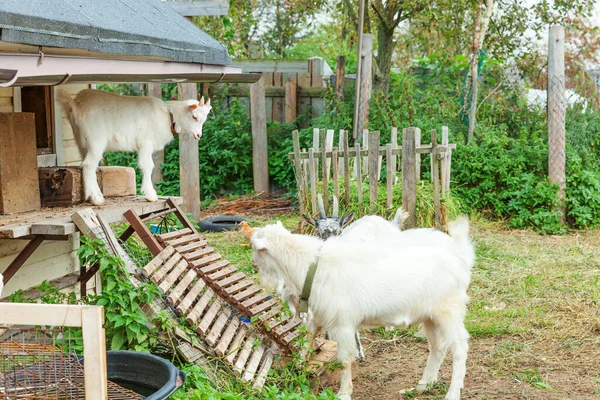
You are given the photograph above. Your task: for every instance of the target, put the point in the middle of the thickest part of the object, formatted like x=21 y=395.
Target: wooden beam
x=94 y=353
x=40 y=314
x=260 y=158
x=409 y=177
x=59 y=283
x=373 y=140
x=285 y=66
x=192 y=8
x=155 y=90
x=423 y=149
x=189 y=162
x=22 y=257
x=143 y=232
x=272 y=91
x=364 y=83
x=291 y=107
x=340 y=68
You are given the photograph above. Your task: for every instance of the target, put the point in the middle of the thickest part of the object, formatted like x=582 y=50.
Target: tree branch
x=381 y=11
x=353 y=16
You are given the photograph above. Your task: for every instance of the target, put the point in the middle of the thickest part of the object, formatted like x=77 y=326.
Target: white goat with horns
x=406 y=278
x=105 y=121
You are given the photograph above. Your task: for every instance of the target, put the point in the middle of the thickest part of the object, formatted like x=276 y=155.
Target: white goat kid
x=394 y=281
x=105 y=121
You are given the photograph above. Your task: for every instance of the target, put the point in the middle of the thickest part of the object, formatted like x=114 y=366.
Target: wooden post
x=260 y=157
x=299 y=175
x=340 y=69
x=189 y=163
x=341 y=147
x=556 y=112
x=373 y=171
x=394 y=147
x=94 y=353
x=357 y=93
x=316 y=146
x=435 y=176
x=409 y=176
x=364 y=81
x=325 y=175
x=158 y=158
x=346 y=167
x=389 y=174
x=335 y=163
x=256 y=50
x=417 y=155
x=358 y=172
x=312 y=168
x=445 y=164
x=329 y=147
x=365 y=146
x=290 y=98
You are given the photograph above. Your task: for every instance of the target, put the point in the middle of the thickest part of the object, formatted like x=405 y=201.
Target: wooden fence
x=344 y=163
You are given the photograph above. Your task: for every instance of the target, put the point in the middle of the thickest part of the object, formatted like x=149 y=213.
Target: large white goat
x=399 y=280
x=105 y=121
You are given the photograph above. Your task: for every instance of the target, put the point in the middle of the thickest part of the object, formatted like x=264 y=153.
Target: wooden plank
x=263 y=306
x=253 y=363
x=278 y=102
x=94 y=353
x=20 y=259
x=268 y=80
x=423 y=149
x=117 y=181
x=41 y=314
x=142 y=230
x=183 y=240
x=340 y=70
x=304 y=103
x=247 y=293
x=365 y=144
x=329 y=147
x=358 y=173
x=210 y=264
x=290 y=336
x=174 y=235
x=362 y=112
x=189 y=8
x=60 y=283
x=316 y=145
x=283 y=329
x=260 y=161
x=176 y=294
x=445 y=170
x=409 y=177
x=394 y=157
x=243 y=355
x=164 y=255
x=198 y=253
x=249 y=303
x=19 y=189
x=206 y=260
x=316 y=81
x=346 y=168
x=173 y=276
x=198 y=309
x=336 y=183
x=188 y=248
x=341 y=148
x=261 y=65
x=373 y=169
x=389 y=174
x=435 y=173
x=227 y=336
x=291 y=108
x=223 y=283
x=209 y=317
x=270 y=314
x=235 y=344
x=189 y=162
x=324 y=174
x=192 y=295
x=166 y=268
x=418 y=156
x=215 y=332
x=299 y=172
x=312 y=168
x=222 y=273
x=264 y=370
x=271 y=325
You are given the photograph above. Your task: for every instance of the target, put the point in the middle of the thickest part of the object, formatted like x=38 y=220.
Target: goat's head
x=262 y=260
x=327 y=227
x=191 y=117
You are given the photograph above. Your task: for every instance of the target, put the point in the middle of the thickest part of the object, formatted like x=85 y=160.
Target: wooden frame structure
x=89 y=318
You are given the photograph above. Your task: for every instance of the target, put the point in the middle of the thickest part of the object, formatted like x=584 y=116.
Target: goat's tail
x=459 y=231
x=400 y=217
x=69 y=109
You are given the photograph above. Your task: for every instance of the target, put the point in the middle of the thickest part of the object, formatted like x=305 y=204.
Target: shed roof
x=126 y=27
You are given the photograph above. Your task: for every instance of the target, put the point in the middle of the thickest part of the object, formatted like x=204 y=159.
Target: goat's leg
x=91 y=190
x=313 y=330
x=459 y=347
x=359 y=348
x=146 y=166
x=347 y=352
x=437 y=352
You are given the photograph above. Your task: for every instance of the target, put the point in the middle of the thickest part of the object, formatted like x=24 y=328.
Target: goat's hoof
x=97 y=201
x=344 y=396
x=152 y=199
x=452 y=396
x=361 y=357
x=421 y=387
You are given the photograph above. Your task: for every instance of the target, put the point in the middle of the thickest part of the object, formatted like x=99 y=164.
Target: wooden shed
x=46 y=44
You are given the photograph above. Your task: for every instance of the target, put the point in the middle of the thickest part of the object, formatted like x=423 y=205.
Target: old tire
x=220 y=224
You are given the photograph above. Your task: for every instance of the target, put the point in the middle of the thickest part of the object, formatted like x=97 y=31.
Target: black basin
x=143 y=373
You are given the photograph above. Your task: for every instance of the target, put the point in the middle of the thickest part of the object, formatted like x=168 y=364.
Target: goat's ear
x=309 y=220
x=201 y=101
x=207 y=102
x=192 y=107
x=347 y=219
x=259 y=244
x=279 y=223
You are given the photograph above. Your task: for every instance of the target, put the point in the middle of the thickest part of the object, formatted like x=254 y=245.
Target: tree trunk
x=385 y=50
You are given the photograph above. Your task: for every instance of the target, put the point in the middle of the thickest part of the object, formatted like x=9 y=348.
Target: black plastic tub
x=143 y=373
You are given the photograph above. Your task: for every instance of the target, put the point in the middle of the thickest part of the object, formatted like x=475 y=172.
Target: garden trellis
x=344 y=164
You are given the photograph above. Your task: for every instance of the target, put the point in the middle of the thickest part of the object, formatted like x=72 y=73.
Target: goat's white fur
x=103 y=121
x=1 y=284
x=410 y=277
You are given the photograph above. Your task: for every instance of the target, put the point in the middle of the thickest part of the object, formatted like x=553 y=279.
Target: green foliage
x=126 y=324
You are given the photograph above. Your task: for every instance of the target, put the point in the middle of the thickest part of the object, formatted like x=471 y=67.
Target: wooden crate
x=19 y=191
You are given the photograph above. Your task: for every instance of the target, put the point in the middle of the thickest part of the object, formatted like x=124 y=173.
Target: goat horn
x=321 y=207
x=336 y=207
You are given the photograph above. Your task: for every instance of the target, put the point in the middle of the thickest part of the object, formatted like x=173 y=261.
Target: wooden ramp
x=219 y=301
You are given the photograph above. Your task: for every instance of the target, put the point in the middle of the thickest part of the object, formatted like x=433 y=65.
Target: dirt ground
x=533 y=317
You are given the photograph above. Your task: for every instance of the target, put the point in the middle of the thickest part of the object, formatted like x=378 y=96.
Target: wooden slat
x=223 y=283
x=227 y=336
x=198 y=253
x=264 y=370
x=280 y=331
x=209 y=317
x=255 y=300
x=173 y=276
x=189 y=298
x=173 y=235
x=158 y=260
x=196 y=312
x=192 y=246
x=237 y=287
x=235 y=344
x=263 y=306
x=214 y=266
x=290 y=336
x=206 y=260
x=270 y=314
x=222 y=273
x=166 y=268
x=271 y=325
x=217 y=328
x=243 y=355
x=183 y=240
x=253 y=364
x=174 y=296
x=252 y=290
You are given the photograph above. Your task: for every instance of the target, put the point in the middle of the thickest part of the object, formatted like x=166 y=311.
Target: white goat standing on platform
x=395 y=281
x=105 y=121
